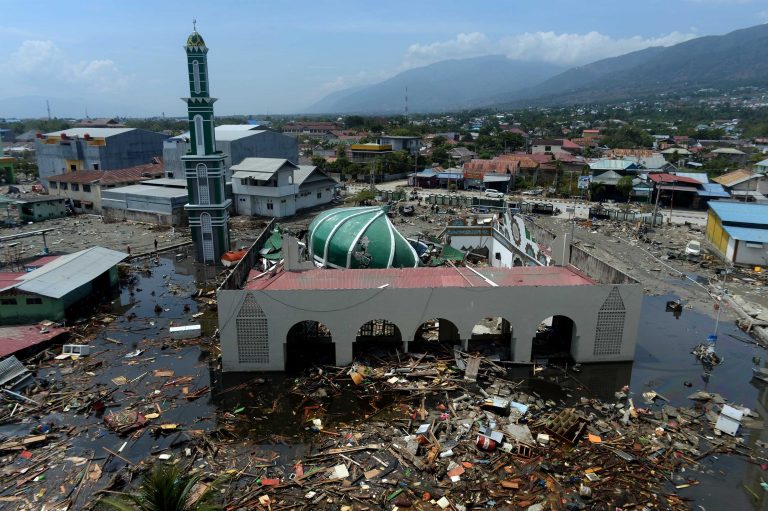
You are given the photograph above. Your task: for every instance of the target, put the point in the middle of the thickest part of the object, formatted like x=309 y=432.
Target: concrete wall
x=344 y=311
x=37 y=211
x=751 y=255
x=21 y=313
x=177 y=218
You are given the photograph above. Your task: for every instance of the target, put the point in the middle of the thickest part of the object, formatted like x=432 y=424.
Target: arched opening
x=377 y=336
x=491 y=336
x=554 y=339
x=308 y=344
x=196 y=76
x=517 y=261
x=199 y=135
x=206 y=230
x=436 y=334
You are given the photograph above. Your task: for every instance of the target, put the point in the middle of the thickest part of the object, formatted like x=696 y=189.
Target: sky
x=125 y=58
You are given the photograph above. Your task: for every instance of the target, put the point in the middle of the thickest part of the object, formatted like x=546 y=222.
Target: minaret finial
x=194 y=24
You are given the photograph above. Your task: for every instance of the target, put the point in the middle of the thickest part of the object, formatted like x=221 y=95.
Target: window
x=282 y=201
x=64 y=186
x=196 y=76
x=72 y=168
x=8 y=301
x=34 y=301
x=77 y=204
x=270 y=206
x=87 y=188
x=75 y=187
x=547 y=148
x=95 y=166
x=199 y=138
x=54 y=185
x=319 y=195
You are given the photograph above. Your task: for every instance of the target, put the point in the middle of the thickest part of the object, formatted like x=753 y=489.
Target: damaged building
x=269 y=311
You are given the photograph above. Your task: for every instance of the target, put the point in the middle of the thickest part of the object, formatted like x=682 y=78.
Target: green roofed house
x=359 y=237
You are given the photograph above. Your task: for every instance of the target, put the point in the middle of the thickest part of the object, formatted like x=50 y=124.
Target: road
x=581 y=207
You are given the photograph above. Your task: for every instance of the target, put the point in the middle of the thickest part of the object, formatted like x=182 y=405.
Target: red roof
x=17 y=338
x=417 y=278
x=669 y=178
x=42 y=261
x=109 y=177
x=9 y=278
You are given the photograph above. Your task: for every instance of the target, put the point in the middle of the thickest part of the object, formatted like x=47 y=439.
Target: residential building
x=401 y=143
x=99 y=123
x=313 y=130
x=552 y=146
x=278 y=188
x=496 y=174
x=364 y=153
x=461 y=155
x=236 y=142
x=739 y=231
x=744 y=185
x=84 y=187
x=95 y=149
x=155 y=201
x=60 y=288
x=762 y=166
x=624 y=167
x=730 y=153
x=40 y=208
x=590 y=134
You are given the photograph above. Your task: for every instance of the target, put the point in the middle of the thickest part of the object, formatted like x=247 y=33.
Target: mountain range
x=730 y=60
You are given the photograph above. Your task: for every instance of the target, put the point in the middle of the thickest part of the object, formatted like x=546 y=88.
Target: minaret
x=208 y=206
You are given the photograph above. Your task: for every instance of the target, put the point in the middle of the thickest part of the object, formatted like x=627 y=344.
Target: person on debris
x=155 y=244
x=128 y=248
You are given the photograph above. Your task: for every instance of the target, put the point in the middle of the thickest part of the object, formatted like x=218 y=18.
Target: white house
x=277 y=188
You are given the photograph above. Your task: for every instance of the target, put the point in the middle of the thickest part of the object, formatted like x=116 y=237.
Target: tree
x=627 y=137
x=625 y=187
x=166 y=488
x=439 y=141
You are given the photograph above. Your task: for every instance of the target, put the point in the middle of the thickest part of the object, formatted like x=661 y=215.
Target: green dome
x=359 y=238
x=195 y=39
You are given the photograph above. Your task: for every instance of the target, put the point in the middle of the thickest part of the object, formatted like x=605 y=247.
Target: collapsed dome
x=359 y=237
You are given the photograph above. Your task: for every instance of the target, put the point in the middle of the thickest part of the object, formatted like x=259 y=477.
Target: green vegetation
x=166 y=488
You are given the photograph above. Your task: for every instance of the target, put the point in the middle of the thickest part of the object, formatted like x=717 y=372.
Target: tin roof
x=62 y=276
x=17 y=338
x=419 y=278
x=741 y=212
x=747 y=234
x=736 y=177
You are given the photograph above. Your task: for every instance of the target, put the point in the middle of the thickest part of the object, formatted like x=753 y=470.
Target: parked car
x=693 y=248
x=495 y=194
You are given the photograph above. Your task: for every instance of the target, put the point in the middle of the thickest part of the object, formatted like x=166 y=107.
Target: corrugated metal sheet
x=17 y=338
x=747 y=234
x=741 y=212
x=69 y=272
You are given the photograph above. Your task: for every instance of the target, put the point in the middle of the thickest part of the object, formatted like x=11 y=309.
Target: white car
x=693 y=248
x=490 y=192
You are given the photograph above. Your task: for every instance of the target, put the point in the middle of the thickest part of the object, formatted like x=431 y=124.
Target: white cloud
x=564 y=49
x=42 y=62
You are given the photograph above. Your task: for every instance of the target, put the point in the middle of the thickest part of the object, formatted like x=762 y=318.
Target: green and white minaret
x=208 y=205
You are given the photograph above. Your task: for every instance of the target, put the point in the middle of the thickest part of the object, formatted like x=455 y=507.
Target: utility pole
x=656 y=207
x=671 y=203
x=48 y=107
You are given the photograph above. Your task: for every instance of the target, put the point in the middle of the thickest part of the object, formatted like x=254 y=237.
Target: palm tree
x=166 y=488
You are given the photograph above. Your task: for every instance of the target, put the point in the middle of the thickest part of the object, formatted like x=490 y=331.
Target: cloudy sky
x=275 y=56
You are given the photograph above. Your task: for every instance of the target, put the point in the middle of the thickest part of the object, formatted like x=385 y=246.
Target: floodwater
x=264 y=410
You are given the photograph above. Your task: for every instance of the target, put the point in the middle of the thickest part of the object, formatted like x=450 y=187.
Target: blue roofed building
x=739 y=231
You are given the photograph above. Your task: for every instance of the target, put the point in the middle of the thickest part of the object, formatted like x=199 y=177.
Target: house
x=553 y=146
x=95 y=149
x=623 y=167
x=60 y=288
x=237 y=142
x=40 y=208
x=277 y=188
x=84 y=187
x=426 y=178
x=590 y=134
x=744 y=185
x=461 y=155
x=762 y=166
x=739 y=231
x=401 y=143
x=156 y=201
x=730 y=153
x=496 y=174
x=675 y=191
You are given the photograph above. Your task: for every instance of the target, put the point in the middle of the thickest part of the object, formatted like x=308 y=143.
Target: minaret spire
x=208 y=205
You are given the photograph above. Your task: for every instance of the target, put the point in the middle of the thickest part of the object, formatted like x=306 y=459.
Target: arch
x=517 y=261
x=206 y=230
x=610 y=325
x=308 y=343
x=199 y=135
x=377 y=334
x=555 y=338
x=436 y=332
x=203 y=193
x=196 y=76
x=492 y=335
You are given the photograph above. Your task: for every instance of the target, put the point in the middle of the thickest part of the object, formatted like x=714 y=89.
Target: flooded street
x=266 y=417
